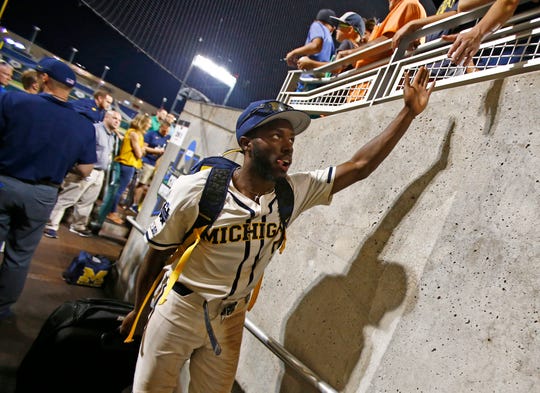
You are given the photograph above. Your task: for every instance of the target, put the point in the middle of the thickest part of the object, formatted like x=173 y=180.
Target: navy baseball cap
x=58 y=70
x=326 y=15
x=261 y=112
x=351 y=19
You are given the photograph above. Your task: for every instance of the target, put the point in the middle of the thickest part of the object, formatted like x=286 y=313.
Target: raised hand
x=464 y=47
x=416 y=94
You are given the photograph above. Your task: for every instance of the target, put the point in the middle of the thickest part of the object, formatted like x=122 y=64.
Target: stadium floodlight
x=212 y=69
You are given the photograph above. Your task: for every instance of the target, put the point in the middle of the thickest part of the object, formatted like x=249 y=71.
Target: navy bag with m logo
x=87 y=270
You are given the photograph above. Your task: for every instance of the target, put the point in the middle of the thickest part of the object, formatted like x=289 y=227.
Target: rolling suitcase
x=79 y=349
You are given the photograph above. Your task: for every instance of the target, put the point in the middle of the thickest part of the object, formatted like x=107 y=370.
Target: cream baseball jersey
x=232 y=255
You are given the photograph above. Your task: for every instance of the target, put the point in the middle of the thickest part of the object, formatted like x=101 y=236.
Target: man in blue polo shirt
x=82 y=192
x=41 y=138
x=94 y=108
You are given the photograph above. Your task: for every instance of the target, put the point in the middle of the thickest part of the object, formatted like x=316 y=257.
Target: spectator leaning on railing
x=319 y=44
x=445 y=10
x=466 y=44
x=401 y=12
x=349 y=33
x=370 y=25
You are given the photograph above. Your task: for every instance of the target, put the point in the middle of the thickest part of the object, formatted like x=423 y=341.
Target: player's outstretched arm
x=369 y=157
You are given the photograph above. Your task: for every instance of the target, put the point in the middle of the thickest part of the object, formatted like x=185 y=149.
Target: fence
x=513 y=49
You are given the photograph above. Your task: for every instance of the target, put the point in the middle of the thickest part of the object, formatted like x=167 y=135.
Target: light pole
x=73 y=53
x=163 y=101
x=34 y=35
x=182 y=85
x=137 y=86
x=102 y=79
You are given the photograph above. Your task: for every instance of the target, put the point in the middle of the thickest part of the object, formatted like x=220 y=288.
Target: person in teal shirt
x=160 y=115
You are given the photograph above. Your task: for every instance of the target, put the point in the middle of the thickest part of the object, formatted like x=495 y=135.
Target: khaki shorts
x=147 y=173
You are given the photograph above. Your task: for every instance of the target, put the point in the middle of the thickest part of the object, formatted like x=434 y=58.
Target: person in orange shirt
x=401 y=12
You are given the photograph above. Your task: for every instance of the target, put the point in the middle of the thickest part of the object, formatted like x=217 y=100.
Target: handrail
x=288 y=358
x=512 y=49
x=275 y=347
x=368 y=51
x=384 y=46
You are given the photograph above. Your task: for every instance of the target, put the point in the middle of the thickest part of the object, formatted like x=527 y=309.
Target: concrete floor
x=45 y=290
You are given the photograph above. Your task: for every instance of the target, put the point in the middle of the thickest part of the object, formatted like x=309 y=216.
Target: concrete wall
x=425 y=277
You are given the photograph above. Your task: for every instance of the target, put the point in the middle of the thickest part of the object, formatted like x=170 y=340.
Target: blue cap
x=325 y=15
x=261 y=112
x=352 y=19
x=57 y=70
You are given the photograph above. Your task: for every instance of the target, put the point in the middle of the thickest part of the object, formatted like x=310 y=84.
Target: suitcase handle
x=113 y=340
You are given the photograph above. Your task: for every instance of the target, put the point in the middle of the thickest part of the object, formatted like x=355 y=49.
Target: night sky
x=249 y=38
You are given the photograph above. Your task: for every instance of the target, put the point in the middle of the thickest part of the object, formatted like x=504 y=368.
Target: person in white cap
x=349 y=33
x=207 y=304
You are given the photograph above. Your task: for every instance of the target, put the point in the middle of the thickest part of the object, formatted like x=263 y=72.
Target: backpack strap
x=285 y=197
x=171 y=259
x=210 y=205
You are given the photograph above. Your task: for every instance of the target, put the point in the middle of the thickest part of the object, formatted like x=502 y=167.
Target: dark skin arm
x=372 y=154
x=153 y=263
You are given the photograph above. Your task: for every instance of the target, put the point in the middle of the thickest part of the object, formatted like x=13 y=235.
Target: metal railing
x=274 y=346
x=513 y=49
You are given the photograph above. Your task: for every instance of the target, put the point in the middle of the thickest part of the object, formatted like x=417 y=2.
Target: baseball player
x=208 y=302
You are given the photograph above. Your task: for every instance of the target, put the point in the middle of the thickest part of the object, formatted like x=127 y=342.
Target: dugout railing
x=513 y=49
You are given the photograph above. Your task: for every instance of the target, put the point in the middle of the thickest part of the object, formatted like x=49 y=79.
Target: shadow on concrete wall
x=326 y=329
x=491 y=105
